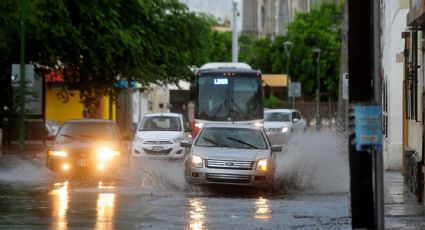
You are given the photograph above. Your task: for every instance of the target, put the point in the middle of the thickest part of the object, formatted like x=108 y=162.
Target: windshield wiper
x=242 y=142
x=214 y=143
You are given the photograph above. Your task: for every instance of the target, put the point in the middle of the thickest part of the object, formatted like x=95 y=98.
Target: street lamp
x=288 y=46
x=317 y=51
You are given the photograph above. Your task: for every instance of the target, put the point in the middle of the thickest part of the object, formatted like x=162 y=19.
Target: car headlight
x=259 y=124
x=196 y=162
x=285 y=129
x=199 y=125
x=57 y=153
x=138 y=139
x=105 y=153
x=177 y=140
x=262 y=165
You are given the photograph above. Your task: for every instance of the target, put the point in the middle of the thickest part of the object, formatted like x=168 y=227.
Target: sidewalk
x=402 y=211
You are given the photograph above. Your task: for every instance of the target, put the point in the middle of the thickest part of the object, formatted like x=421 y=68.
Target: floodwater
x=312 y=182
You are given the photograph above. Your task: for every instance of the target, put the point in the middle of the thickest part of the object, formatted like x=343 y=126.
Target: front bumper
x=76 y=165
x=167 y=151
x=206 y=176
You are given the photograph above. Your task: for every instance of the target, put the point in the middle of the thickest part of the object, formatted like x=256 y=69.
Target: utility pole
x=22 y=76
x=235 y=32
x=317 y=51
x=288 y=46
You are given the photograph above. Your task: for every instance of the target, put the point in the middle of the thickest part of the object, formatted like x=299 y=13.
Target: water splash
x=314 y=162
x=14 y=168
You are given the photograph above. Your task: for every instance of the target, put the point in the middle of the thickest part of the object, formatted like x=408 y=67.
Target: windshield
x=277 y=116
x=222 y=98
x=87 y=132
x=231 y=138
x=161 y=123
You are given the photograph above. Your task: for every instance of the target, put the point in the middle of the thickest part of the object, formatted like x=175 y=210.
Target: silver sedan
x=233 y=154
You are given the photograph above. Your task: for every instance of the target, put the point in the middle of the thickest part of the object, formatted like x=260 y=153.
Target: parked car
x=280 y=124
x=159 y=136
x=233 y=154
x=85 y=145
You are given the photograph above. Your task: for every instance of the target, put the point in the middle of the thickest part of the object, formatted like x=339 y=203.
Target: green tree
x=319 y=28
x=97 y=43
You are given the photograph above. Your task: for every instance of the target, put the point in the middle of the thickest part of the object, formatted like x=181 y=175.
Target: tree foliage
x=95 y=44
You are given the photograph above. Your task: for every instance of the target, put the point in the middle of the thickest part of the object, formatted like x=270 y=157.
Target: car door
x=298 y=123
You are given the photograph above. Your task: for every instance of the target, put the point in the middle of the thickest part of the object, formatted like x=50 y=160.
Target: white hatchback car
x=159 y=136
x=280 y=124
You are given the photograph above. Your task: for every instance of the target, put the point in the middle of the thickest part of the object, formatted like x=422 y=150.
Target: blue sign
x=368 y=126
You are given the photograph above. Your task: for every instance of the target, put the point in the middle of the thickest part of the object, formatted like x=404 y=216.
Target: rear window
x=232 y=138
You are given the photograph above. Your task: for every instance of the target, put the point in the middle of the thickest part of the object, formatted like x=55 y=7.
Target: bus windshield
x=222 y=98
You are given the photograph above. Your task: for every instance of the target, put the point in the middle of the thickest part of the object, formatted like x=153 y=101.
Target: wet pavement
x=401 y=208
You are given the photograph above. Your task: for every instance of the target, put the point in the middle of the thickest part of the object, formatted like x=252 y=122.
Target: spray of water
x=315 y=162
x=157 y=175
x=17 y=169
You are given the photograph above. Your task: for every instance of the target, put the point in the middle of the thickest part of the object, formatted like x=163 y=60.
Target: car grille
x=158 y=142
x=162 y=152
x=228 y=178
x=244 y=165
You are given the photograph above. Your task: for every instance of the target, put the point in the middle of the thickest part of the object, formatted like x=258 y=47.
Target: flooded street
x=311 y=193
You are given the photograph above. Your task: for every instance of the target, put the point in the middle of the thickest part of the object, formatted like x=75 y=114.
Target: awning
x=275 y=80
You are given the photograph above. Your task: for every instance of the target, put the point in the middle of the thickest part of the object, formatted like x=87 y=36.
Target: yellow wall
x=58 y=111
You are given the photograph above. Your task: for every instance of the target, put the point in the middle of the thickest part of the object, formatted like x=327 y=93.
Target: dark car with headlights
x=94 y=145
x=234 y=154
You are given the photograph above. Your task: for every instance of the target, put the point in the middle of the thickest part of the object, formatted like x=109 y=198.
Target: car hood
x=220 y=153
x=159 y=135
x=84 y=145
x=277 y=124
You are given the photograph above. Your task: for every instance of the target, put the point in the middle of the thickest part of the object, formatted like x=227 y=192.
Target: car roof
x=280 y=110
x=89 y=120
x=163 y=114
x=232 y=125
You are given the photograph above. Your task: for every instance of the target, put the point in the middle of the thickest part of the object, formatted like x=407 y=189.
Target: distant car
x=233 y=154
x=84 y=145
x=159 y=136
x=280 y=124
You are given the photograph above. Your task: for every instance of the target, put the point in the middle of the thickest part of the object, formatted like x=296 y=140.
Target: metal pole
x=235 y=32
x=379 y=169
x=22 y=76
x=318 y=118
x=288 y=46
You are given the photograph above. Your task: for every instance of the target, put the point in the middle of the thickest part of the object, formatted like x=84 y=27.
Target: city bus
x=227 y=92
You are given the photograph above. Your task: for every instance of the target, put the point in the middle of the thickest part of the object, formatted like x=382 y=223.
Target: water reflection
x=262 y=209
x=105 y=208
x=60 y=198
x=197 y=214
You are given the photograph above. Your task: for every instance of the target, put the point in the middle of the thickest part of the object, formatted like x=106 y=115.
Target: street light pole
x=318 y=118
x=235 y=32
x=288 y=46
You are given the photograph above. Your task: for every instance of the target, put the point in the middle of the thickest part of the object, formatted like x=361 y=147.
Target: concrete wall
x=393 y=23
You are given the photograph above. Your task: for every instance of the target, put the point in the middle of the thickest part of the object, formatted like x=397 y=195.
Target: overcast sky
x=218 y=8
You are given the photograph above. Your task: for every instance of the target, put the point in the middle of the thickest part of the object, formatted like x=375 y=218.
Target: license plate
x=81 y=162
x=157 y=148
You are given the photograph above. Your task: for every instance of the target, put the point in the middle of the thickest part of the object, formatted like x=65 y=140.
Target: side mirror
x=276 y=148
x=185 y=143
x=295 y=120
x=50 y=138
x=188 y=130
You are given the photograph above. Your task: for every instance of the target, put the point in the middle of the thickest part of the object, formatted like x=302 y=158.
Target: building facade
x=271 y=17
